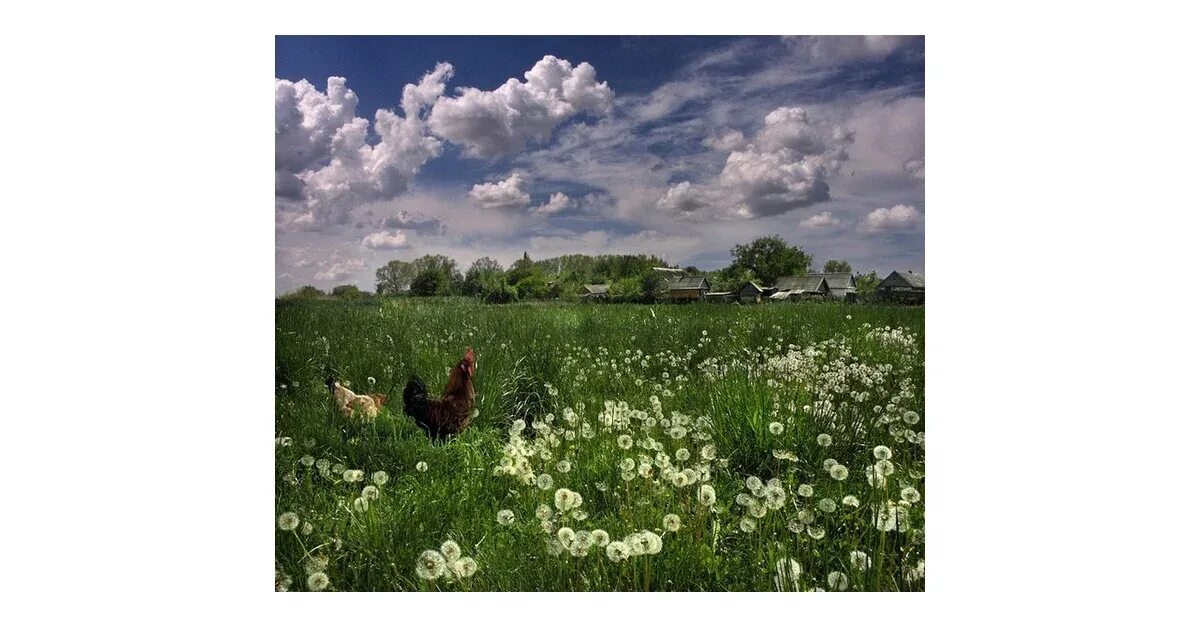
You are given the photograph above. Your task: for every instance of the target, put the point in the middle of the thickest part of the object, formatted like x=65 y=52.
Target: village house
x=841 y=284
x=902 y=287
x=802 y=287
x=751 y=292
x=687 y=287
x=594 y=291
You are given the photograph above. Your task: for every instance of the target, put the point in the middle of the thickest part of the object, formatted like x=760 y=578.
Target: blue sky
x=395 y=147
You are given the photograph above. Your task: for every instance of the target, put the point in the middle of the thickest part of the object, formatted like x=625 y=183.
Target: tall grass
x=742 y=368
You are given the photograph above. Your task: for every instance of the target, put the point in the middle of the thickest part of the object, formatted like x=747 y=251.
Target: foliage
x=307 y=291
x=770 y=258
x=394 y=278
x=834 y=265
x=867 y=283
x=430 y=282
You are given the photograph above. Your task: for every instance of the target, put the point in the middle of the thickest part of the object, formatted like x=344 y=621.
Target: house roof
x=687 y=283
x=838 y=280
x=597 y=288
x=898 y=279
x=675 y=271
x=808 y=283
x=752 y=285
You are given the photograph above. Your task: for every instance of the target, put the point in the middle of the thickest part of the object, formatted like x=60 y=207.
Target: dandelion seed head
x=506 y=517
x=671 y=522
x=805 y=490
x=824 y=439
x=451 y=551
x=318 y=581
x=422 y=466
x=431 y=565
x=838 y=581
x=288 y=521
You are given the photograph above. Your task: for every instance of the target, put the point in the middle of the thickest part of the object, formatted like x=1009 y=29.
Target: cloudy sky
x=396 y=147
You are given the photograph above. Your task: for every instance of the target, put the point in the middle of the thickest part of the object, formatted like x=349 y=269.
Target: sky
x=397 y=147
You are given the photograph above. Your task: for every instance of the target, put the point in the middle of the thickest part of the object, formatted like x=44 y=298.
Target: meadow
x=712 y=447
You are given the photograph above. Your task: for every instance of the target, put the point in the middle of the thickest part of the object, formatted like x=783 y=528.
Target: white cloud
x=493 y=123
x=822 y=220
x=340 y=270
x=410 y=221
x=888 y=134
x=836 y=49
x=725 y=140
x=323 y=163
x=897 y=218
x=385 y=240
x=784 y=169
x=506 y=194
x=666 y=100
x=558 y=201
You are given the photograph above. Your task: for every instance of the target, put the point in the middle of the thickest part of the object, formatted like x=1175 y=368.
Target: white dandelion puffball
x=827 y=505
x=829 y=463
x=788 y=568
x=683 y=454
x=370 y=493
x=318 y=581
x=795 y=526
x=910 y=494
x=839 y=472
x=466 y=567
x=600 y=537
x=563 y=499
x=563 y=466
x=617 y=551
x=625 y=441
x=307 y=529
x=348 y=476
x=307 y=460
x=850 y=500
x=775 y=428
x=859 y=560
x=323 y=465
x=545 y=481
x=804 y=490
x=431 y=565
x=370 y=380
x=361 y=505
x=748 y=524
x=566 y=535
x=338 y=468
x=707 y=495
x=885 y=467
x=838 y=580
x=288 y=521
x=816 y=533
x=506 y=517
x=544 y=512
x=422 y=466
x=754 y=484
x=882 y=452
x=379 y=477
x=911 y=417
x=451 y=550
x=671 y=522
x=788 y=455
x=708 y=452
x=824 y=439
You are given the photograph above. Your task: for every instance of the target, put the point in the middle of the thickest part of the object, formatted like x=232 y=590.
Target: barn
x=687 y=287
x=594 y=291
x=902 y=287
x=804 y=287
x=751 y=292
x=841 y=284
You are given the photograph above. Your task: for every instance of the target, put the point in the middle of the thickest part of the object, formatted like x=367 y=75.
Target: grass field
x=673 y=447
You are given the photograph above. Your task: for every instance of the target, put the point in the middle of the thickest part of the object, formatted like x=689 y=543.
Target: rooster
x=450 y=414
x=362 y=406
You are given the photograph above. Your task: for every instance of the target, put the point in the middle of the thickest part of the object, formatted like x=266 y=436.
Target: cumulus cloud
x=836 y=49
x=504 y=120
x=725 y=140
x=557 y=202
x=506 y=194
x=785 y=168
x=896 y=218
x=340 y=270
x=385 y=240
x=415 y=222
x=324 y=165
x=822 y=220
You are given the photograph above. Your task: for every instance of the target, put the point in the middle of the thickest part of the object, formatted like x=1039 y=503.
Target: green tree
x=730 y=279
x=394 y=278
x=348 y=292
x=532 y=287
x=770 y=258
x=833 y=265
x=430 y=282
x=521 y=269
x=653 y=285
x=625 y=290
x=482 y=272
x=307 y=291
x=867 y=283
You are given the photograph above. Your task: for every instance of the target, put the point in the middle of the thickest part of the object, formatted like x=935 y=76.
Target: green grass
x=540 y=359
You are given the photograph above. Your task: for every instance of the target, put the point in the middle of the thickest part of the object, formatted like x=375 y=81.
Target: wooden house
x=801 y=287
x=841 y=284
x=687 y=287
x=902 y=287
x=594 y=291
x=751 y=292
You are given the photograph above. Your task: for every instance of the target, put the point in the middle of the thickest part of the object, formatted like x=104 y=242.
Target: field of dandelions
x=713 y=447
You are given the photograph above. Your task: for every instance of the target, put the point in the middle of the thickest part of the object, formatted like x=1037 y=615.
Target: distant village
x=898 y=287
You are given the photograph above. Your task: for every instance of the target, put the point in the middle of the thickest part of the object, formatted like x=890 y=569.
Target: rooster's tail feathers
x=416 y=399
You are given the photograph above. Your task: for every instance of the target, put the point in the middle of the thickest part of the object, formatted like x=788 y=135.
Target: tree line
x=631 y=278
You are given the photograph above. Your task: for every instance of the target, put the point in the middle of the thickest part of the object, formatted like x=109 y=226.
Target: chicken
x=358 y=406
x=450 y=414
